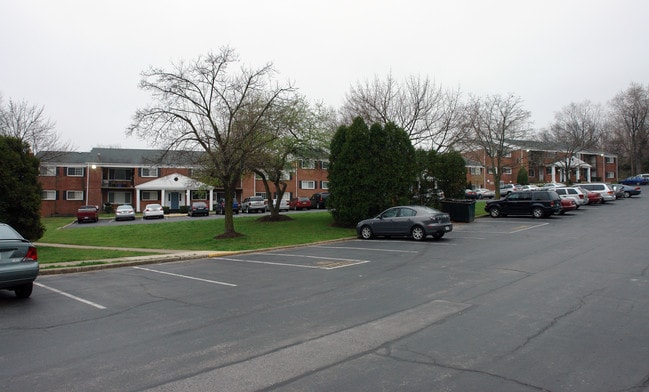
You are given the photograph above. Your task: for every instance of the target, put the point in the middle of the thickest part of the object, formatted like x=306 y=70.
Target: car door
x=403 y=221
x=385 y=224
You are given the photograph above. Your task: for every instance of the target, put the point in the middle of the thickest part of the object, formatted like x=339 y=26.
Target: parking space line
x=74 y=297
x=523 y=228
x=359 y=248
x=334 y=264
x=186 y=276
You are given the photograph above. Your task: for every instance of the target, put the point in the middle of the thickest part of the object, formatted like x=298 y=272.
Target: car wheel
x=366 y=232
x=494 y=212
x=418 y=233
x=24 y=290
x=438 y=235
x=627 y=194
x=537 y=212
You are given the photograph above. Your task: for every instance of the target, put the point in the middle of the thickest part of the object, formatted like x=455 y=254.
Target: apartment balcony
x=119 y=184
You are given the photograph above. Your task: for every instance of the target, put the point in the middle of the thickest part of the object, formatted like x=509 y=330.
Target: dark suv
x=319 y=200
x=539 y=204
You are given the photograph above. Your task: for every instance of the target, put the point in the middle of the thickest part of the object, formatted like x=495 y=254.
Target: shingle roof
x=124 y=156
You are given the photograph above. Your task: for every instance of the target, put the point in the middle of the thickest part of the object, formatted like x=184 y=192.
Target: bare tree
x=431 y=116
x=630 y=119
x=495 y=122
x=304 y=131
x=29 y=124
x=205 y=105
x=576 y=128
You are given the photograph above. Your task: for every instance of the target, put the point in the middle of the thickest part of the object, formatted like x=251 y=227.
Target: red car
x=593 y=197
x=567 y=205
x=299 y=203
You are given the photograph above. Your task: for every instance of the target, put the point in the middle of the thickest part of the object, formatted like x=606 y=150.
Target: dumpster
x=459 y=210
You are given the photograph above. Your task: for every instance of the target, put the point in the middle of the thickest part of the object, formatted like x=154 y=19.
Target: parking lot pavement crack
x=553 y=322
x=427 y=360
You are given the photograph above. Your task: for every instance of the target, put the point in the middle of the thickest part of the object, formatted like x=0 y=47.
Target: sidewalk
x=162 y=256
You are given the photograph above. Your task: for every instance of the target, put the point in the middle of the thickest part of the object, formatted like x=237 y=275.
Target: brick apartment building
x=543 y=166
x=139 y=177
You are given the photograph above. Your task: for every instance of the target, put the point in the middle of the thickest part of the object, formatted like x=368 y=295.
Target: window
x=119 y=197
x=307 y=184
x=610 y=160
x=149 y=195
x=507 y=170
x=47 y=171
x=307 y=164
x=261 y=194
x=610 y=175
x=48 y=195
x=475 y=170
x=73 y=195
x=324 y=184
x=149 y=172
x=74 y=172
x=531 y=173
x=324 y=165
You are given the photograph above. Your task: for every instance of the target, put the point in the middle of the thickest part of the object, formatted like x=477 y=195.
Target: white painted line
x=358 y=248
x=315 y=257
x=70 y=296
x=351 y=263
x=186 y=277
x=528 y=228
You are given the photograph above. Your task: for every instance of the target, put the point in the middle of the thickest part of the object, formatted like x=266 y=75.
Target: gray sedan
x=416 y=222
x=18 y=262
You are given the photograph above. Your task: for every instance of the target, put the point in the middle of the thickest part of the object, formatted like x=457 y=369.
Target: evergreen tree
x=522 y=177
x=370 y=169
x=20 y=203
x=450 y=171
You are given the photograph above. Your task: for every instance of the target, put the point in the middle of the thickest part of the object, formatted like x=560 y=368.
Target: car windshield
x=124 y=208
x=7 y=233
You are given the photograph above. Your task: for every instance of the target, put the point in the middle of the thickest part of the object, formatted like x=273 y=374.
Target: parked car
x=593 y=197
x=220 y=207
x=124 y=212
x=18 y=262
x=283 y=204
x=506 y=189
x=299 y=203
x=484 y=193
x=530 y=187
x=627 y=190
x=88 y=214
x=635 y=180
x=567 y=204
x=539 y=204
x=470 y=194
x=198 y=208
x=416 y=222
x=553 y=185
x=254 y=204
x=607 y=193
x=153 y=211
x=319 y=200
x=571 y=192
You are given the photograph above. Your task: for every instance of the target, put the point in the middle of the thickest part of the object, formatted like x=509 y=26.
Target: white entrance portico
x=575 y=165
x=175 y=191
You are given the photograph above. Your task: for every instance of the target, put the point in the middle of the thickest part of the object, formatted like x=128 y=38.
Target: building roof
x=173 y=182
x=123 y=156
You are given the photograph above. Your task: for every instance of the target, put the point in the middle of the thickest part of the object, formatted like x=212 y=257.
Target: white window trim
x=150 y=172
x=82 y=171
x=47 y=171
x=307 y=164
x=307 y=184
x=67 y=195
x=48 y=195
x=325 y=184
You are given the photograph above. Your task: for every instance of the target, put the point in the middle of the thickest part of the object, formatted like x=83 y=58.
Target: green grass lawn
x=198 y=234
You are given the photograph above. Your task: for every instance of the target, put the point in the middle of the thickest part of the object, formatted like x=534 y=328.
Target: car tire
x=24 y=290
x=495 y=212
x=366 y=233
x=418 y=233
x=537 y=212
x=627 y=194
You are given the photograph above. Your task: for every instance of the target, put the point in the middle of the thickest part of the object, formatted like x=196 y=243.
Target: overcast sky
x=82 y=60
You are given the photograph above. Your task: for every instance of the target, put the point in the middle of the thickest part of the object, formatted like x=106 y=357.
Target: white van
x=608 y=194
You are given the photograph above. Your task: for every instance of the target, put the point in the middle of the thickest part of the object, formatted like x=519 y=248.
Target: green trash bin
x=459 y=210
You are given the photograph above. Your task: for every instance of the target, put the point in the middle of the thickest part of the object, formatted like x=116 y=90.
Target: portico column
x=554 y=173
x=211 y=199
x=137 y=200
x=162 y=197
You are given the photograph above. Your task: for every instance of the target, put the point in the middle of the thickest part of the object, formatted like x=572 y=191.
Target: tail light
x=32 y=254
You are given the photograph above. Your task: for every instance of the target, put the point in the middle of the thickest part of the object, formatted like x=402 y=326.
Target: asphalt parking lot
x=510 y=304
